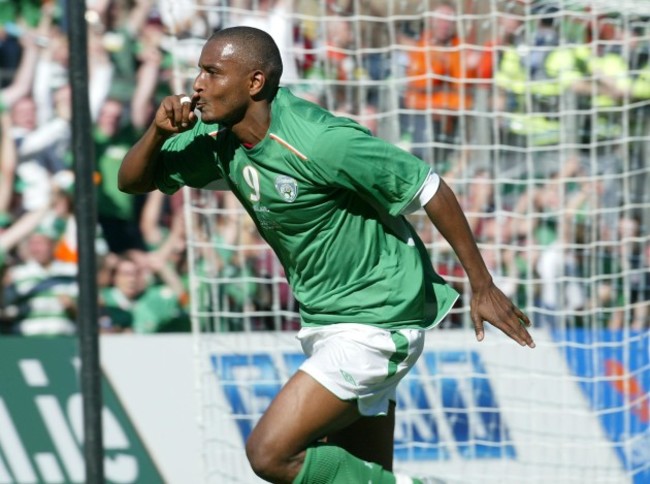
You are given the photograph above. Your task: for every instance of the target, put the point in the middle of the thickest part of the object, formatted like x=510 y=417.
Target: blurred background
x=536 y=113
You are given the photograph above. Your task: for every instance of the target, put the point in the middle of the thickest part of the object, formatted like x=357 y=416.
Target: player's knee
x=264 y=459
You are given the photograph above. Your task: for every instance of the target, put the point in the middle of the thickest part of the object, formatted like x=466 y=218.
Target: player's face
x=222 y=85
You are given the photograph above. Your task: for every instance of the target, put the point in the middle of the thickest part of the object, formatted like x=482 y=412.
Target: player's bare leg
x=369 y=438
x=303 y=412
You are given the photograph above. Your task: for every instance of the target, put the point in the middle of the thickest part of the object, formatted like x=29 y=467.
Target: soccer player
x=330 y=200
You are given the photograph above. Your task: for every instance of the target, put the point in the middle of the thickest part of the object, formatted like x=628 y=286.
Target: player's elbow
x=135 y=189
x=124 y=184
x=133 y=186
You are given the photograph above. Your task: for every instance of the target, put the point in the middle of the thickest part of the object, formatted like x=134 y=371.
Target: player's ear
x=257 y=83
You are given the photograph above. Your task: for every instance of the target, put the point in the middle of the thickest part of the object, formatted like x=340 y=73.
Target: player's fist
x=176 y=114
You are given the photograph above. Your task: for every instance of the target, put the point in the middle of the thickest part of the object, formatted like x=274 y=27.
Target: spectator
x=562 y=264
x=146 y=292
x=163 y=307
x=118 y=299
x=118 y=213
x=42 y=290
x=32 y=177
x=13 y=233
x=51 y=72
x=438 y=91
x=509 y=31
x=22 y=25
x=42 y=150
x=31 y=41
x=376 y=30
x=64 y=219
x=535 y=76
x=339 y=68
x=121 y=33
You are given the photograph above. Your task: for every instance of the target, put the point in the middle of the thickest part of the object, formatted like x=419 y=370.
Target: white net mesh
x=537 y=113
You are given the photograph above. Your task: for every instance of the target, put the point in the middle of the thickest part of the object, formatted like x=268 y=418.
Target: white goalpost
x=538 y=115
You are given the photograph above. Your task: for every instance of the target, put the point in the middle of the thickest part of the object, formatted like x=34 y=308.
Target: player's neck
x=254 y=127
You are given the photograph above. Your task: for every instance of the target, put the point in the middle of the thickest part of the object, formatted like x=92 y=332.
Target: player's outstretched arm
x=174 y=115
x=488 y=302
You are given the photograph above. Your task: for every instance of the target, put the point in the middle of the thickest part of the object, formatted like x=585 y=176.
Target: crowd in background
x=539 y=122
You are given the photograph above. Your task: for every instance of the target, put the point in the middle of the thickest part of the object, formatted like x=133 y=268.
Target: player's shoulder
x=309 y=120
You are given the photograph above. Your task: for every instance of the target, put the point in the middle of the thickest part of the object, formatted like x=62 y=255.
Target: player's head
x=238 y=66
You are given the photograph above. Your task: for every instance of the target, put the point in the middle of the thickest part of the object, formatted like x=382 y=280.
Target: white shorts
x=360 y=362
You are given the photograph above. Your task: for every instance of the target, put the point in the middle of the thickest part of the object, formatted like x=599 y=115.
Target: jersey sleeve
x=188 y=159
x=349 y=157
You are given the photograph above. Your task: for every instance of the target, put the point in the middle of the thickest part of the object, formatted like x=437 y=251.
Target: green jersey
x=328 y=198
x=158 y=310
x=109 y=151
x=117 y=308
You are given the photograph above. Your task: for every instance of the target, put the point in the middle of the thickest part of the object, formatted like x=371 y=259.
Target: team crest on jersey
x=287 y=187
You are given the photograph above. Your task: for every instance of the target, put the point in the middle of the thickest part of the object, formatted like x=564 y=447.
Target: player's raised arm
x=175 y=115
x=488 y=302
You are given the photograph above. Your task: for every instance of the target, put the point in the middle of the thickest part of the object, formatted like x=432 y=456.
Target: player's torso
x=276 y=186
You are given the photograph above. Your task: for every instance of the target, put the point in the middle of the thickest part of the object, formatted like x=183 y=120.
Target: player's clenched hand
x=176 y=114
x=491 y=305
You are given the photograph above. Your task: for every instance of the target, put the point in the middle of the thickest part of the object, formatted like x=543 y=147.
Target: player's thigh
x=369 y=438
x=303 y=412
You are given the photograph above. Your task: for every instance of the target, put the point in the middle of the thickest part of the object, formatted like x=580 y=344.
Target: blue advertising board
x=454 y=381
x=613 y=368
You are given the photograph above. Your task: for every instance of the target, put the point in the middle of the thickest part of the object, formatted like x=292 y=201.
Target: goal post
x=538 y=115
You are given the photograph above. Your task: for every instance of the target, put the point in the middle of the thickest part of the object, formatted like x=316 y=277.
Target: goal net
x=538 y=115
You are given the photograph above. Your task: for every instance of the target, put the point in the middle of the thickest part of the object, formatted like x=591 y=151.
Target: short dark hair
x=260 y=50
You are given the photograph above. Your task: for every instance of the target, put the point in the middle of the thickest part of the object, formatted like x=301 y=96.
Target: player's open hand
x=491 y=305
x=176 y=114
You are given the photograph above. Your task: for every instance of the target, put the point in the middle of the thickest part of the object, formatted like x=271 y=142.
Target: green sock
x=328 y=464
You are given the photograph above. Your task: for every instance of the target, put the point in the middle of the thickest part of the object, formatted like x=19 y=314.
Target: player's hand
x=491 y=305
x=176 y=114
